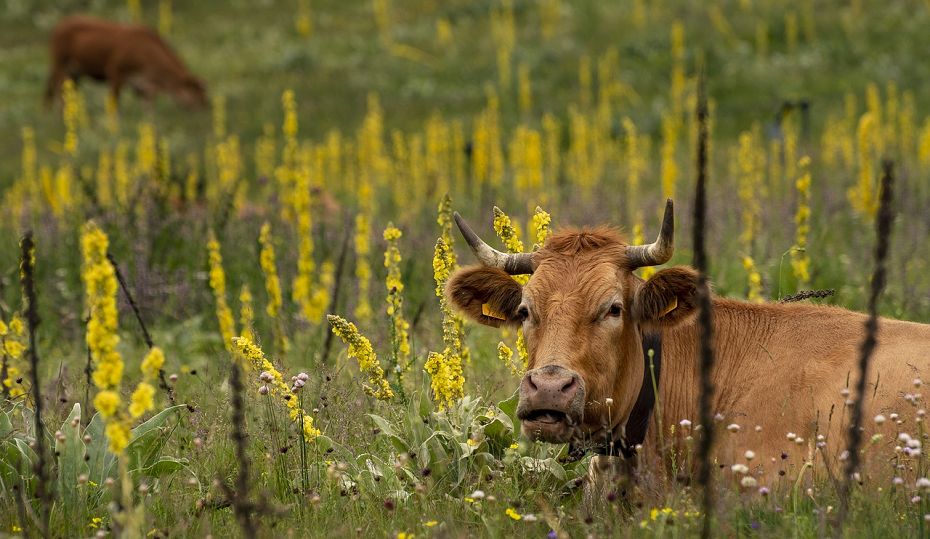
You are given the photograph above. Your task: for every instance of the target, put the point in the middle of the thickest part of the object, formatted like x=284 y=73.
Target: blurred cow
x=120 y=54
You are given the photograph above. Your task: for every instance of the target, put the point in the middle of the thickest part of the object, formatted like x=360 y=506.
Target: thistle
x=360 y=348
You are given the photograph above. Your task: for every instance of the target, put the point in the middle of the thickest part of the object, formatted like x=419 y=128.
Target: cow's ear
x=486 y=295
x=668 y=298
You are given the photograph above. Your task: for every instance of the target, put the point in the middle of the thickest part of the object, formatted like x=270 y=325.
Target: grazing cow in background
x=590 y=322
x=120 y=54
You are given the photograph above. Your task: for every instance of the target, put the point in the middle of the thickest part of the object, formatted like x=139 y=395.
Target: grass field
x=334 y=122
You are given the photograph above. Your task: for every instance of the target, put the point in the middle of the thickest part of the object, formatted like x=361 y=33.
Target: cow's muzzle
x=551 y=403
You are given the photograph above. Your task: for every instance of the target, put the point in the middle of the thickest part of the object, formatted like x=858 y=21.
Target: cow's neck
x=633 y=432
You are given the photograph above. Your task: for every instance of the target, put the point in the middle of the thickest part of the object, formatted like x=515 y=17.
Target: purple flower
x=552 y=535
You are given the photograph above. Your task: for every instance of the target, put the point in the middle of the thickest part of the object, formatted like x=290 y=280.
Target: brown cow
x=589 y=322
x=121 y=54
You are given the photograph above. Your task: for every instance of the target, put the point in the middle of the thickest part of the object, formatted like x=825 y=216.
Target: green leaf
x=100 y=461
x=71 y=453
x=149 y=438
x=387 y=429
x=6 y=425
x=509 y=407
x=163 y=466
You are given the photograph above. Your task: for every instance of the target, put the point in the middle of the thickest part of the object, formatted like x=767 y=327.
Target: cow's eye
x=615 y=310
x=522 y=313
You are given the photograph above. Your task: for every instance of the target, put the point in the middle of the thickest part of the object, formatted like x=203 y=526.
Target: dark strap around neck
x=636 y=425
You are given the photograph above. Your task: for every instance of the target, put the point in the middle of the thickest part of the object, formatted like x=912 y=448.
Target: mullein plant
x=218 y=285
x=360 y=348
x=863 y=195
x=271 y=382
x=311 y=298
x=400 y=346
x=12 y=359
x=101 y=286
x=445 y=369
x=750 y=162
x=509 y=234
x=273 y=290
x=800 y=262
x=246 y=314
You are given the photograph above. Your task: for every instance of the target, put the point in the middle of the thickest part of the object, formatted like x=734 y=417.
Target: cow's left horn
x=660 y=252
x=512 y=263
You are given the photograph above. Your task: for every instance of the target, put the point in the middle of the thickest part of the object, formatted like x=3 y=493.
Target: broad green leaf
x=100 y=461
x=71 y=453
x=149 y=438
x=162 y=467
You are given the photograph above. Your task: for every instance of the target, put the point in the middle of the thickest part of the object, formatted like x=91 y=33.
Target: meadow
x=189 y=268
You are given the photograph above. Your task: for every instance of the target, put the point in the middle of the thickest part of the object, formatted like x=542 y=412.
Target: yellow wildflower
x=272 y=288
x=218 y=284
x=246 y=316
x=274 y=382
x=107 y=403
x=395 y=298
x=142 y=399
x=541 y=223
x=362 y=267
x=153 y=362
x=799 y=259
x=513 y=514
x=360 y=348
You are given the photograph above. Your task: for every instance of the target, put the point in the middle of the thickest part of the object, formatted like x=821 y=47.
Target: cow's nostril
x=529 y=380
x=570 y=386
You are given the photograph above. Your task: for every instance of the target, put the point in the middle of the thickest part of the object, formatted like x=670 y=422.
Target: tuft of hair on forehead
x=572 y=241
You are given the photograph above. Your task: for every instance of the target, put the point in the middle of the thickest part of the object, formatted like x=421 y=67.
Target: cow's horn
x=512 y=263
x=660 y=252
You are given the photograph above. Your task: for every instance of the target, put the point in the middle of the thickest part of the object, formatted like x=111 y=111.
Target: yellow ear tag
x=488 y=311
x=671 y=307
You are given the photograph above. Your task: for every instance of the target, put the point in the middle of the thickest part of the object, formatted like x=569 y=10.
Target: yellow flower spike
x=246 y=315
x=754 y=279
x=153 y=363
x=273 y=382
x=363 y=310
x=799 y=259
x=272 y=288
x=107 y=402
x=360 y=348
x=142 y=399
x=395 y=299
x=541 y=224
x=71 y=114
x=218 y=285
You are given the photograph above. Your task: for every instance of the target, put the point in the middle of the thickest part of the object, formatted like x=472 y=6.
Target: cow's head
x=583 y=314
x=192 y=93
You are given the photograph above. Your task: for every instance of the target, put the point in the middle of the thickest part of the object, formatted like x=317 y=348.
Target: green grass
x=250 y=52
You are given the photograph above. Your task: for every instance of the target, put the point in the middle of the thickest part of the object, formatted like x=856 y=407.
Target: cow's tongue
x=549 y=417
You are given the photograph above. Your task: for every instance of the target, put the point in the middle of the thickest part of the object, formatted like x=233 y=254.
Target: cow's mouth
x=550 y=426
x=547 y=417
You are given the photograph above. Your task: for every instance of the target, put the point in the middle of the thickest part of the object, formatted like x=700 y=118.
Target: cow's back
x=85 y=45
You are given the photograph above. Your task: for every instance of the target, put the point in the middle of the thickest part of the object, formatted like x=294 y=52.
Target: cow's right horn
x=660 y=252
x=512 y=263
